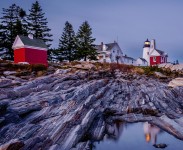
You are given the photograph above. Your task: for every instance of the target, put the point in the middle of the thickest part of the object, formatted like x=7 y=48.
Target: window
x=162 y=59
x=154 y=59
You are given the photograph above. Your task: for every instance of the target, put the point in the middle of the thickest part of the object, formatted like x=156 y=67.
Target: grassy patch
x=149 y=71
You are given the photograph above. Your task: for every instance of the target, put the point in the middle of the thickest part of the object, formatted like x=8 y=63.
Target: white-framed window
x=154 y=59
x=162 y=59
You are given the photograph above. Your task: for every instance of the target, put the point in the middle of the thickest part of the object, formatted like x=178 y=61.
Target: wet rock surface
x=68 y=110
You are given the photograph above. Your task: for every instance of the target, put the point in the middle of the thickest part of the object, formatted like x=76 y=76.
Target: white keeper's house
x=110 y=52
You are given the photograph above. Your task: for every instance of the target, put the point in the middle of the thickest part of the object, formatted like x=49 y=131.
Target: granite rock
x=68 y=110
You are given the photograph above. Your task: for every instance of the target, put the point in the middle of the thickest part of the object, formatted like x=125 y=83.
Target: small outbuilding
x=128 y=60
x=141 y=62
x=29 y=50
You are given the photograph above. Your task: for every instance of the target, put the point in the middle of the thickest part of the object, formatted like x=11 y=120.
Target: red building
x=159 y=58
x=29 y=50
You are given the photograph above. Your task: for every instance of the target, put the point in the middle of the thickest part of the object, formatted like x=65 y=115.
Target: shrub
x=121 y=67
x=38 y=67
x=138 y=70
x=149 y=70
x=3 y=61
x=21 y=66
x=9 y=65
x=101 y=66
x=23 y=73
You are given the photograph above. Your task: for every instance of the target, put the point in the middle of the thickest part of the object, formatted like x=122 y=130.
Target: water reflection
x=151 y=132
x=129 y=136
x=114 y=131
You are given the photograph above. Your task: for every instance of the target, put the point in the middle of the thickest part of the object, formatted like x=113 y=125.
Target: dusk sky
x=130 y=22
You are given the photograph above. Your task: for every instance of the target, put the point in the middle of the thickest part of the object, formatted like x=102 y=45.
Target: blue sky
x=130 y=22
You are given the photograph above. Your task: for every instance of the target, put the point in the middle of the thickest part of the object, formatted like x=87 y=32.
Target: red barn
x=30 y=50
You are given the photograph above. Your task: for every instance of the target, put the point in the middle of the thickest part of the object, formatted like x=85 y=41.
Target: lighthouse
x=152 y=55
x=146 y=50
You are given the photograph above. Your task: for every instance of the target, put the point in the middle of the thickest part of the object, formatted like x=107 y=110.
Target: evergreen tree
x=11 y=26
x=3 y=52
x=22 y=23
x=53 y=54
x=2 y=36
x=67 y=43
x=37 y=24
x=85 y=46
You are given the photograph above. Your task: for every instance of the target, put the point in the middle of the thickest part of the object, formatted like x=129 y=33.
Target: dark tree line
x=11 y=25
x=77 y=46
x=72 y=46
x=15 y=21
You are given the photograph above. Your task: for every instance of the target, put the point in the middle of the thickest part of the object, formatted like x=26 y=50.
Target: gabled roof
x=142 y=59
x=98 y=47
x=125 y=56
x=156 y=52
x=26 y=41
x=109 y=46
x=32 y=42
x=160 y=52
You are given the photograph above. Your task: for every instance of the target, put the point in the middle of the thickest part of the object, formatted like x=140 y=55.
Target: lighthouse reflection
x=151 y=132
x=141 y=135
x=115 y=131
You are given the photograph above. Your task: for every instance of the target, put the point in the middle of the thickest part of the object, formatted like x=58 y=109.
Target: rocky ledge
x=71 y=109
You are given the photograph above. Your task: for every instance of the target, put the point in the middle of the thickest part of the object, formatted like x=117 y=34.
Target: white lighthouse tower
x=146 y=50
